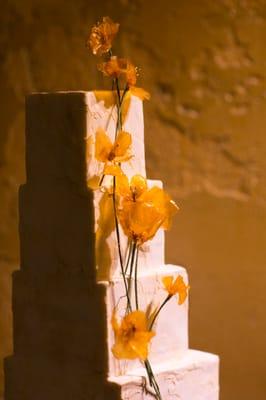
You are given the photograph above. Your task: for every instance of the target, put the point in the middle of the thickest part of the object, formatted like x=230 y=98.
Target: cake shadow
x=59 y=310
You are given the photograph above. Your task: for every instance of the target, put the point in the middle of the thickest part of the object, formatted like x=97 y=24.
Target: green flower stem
x=133 y=253
x=136 y=279
x=159 y=310
x=101 y=180
x=152 y=380
x=129 y=307
x=124 y=93
x=119 y=248
x=119 y=104
x=128 y=256
x=148 y=369
x=118 y=91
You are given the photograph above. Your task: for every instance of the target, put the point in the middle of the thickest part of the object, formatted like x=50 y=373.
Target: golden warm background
x=204 y=63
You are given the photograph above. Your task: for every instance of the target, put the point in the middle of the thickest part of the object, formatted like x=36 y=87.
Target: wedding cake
x=70 y=281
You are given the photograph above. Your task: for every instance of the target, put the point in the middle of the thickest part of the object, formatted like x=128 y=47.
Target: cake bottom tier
x=194 y=376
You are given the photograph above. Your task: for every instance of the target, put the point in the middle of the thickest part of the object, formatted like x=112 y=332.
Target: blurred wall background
x=204 y=63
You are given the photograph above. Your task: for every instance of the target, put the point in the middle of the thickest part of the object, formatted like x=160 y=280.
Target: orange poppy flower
x=102 y=36
x=139 y=92
x=132 y=337
x=116 y=67
x=112 y=153
x=130 y=190
x=143 y=211
x=176 y=286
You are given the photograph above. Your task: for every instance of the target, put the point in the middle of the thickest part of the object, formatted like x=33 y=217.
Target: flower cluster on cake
x=136 y=210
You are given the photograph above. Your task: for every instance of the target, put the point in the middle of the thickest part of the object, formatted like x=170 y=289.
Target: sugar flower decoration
x=112 y=153
x=120 y=67
x=130 y=190
x=132 y=337
x=176 y=286
x=102 y=36
x=143 y=211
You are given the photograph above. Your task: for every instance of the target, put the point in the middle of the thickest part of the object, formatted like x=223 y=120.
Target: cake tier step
x=171 y=333
x=71 y=229
x=193 y=376
x=46 y=324
x=58 y=126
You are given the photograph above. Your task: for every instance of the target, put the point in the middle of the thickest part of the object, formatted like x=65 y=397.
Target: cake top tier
x=60 y=134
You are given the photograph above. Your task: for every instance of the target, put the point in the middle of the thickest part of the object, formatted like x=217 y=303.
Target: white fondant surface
x=172 y=325
x=194 y=375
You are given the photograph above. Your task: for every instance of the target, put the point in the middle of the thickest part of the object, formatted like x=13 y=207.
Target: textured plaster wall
x=204 y=63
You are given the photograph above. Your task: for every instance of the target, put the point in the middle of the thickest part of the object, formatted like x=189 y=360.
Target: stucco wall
x=204 y=64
